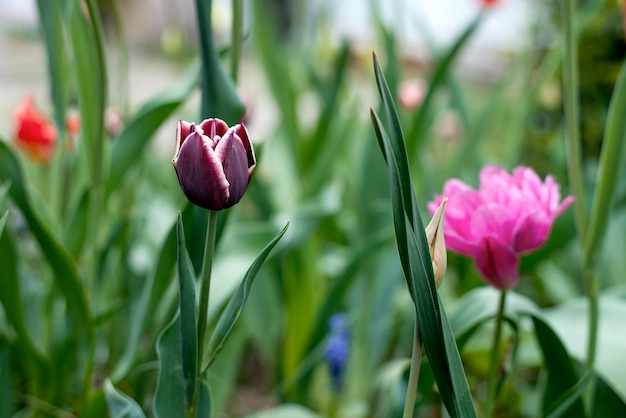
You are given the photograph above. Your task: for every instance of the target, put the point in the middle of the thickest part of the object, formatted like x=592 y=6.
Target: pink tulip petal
x=531 y=232
x=493 y=220
x=231 y=152
x=200 y=173
x=497 y=263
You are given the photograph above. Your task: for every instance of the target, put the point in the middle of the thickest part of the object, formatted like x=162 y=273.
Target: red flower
x=34 y=133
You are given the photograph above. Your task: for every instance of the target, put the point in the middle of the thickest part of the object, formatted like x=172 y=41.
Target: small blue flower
x=337 y=349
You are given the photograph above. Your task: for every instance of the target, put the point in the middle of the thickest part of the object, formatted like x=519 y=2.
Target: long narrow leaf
x=232 y=312
x=416 y=263
x=188 y=332
x=90 y=70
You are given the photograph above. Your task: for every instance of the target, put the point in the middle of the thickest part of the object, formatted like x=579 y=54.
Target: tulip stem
x=414 y=372
x=207 y=266
x=572 y=117
x=496 y=361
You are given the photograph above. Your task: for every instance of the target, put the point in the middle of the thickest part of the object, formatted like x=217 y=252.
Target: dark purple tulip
x=213 y=162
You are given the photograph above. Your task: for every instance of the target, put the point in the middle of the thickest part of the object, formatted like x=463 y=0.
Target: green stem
x=572 y=116
x=492 y=381
x=414 y=373
x=237 y=38
x=570 y=86
x=207 y=266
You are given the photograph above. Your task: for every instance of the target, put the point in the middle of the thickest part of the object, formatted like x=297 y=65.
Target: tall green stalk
x=572 y=116
x=414 y=372
x=495 y=360
x=205 y=288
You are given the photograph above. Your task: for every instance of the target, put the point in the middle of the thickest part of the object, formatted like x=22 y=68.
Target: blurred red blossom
x=34 y=133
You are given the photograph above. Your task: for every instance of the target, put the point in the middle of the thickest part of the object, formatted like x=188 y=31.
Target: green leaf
x=121 y=405
x=188 y=315
x=285 y=411
x=480 y=305
x=609 y=170
x=63 y=267
x=3 y=221
x=219 y=92
x=132 y=141
x=51 y=17
x=8 y=400
x=233 y=309
x=568 y=321
x=204 y=401
x=562 y=376
x=439 y=343
x=169 y=400
x=153 y=292
x=12 y=300
x=90 y=73
x=77 y=231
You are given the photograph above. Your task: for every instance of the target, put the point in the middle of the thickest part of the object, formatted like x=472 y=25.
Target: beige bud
x=437 y=243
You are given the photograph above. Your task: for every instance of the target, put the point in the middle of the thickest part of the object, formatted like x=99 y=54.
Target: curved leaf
x=169 y=400
x=232 y=312
x=121 y=405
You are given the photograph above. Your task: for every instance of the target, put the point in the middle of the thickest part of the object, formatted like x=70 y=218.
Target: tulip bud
x=213 y=162
x=437 y=243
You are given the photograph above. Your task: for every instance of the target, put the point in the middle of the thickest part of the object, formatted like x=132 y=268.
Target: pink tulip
x=213 y=162
x=509 y=215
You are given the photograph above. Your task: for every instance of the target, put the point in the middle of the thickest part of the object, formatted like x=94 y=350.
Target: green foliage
x=94 y=323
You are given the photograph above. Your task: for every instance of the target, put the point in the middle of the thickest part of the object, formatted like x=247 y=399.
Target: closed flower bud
x=437 y=243
x=213 y=162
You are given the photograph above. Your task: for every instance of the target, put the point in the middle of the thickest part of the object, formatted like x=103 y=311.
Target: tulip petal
x=213 y=127
x=200 y=173
x=231 y=153
x=183 y=129
x=497 y=263
x=242 y=132
x=531 y=232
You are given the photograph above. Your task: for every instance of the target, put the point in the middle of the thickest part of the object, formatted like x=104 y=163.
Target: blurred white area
x=504 y=28
x=18 y=13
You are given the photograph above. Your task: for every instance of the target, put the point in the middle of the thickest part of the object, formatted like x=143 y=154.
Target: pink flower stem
x=207 y=266
x=414 y=372
x=496 y=361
